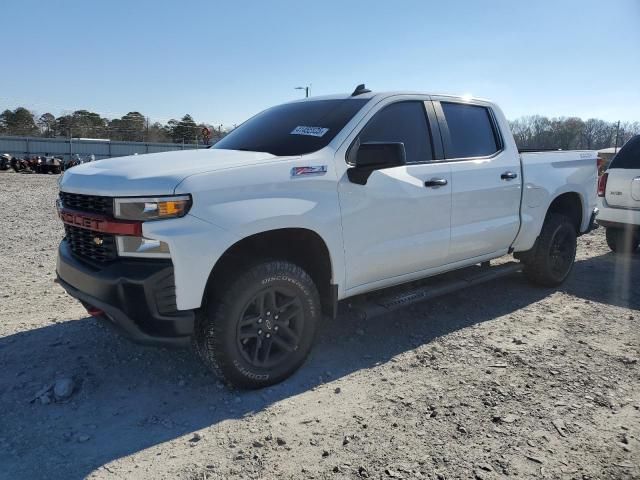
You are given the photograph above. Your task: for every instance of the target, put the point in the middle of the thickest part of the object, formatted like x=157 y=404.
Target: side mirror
x=372 y=156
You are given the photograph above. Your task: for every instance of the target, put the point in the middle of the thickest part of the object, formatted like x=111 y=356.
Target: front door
x=397 y=223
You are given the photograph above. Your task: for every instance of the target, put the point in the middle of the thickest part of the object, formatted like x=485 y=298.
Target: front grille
x=87 y=203
x=83 y=243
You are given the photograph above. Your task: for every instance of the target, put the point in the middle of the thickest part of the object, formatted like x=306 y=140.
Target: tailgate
x=623 y=188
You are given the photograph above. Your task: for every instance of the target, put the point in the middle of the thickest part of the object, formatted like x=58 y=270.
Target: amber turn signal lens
x=172 y=208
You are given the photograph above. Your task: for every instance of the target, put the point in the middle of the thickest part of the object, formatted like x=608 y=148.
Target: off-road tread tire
x=536 y=262
x=214 y=318
x=622 y=240
x=197 y=339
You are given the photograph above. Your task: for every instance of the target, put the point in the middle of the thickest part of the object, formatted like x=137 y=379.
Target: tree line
x=570 y=133
x=532 y=132
x=133 y=127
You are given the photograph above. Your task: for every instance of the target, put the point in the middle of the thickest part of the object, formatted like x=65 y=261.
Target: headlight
x=141 y=247
x=151 y=208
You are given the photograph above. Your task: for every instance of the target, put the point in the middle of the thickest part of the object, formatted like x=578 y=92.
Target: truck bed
x=548 y=174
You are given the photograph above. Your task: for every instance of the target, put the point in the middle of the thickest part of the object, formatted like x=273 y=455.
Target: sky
x=225 y=61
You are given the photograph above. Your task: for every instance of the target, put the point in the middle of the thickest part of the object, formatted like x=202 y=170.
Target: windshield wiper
x=248 y=150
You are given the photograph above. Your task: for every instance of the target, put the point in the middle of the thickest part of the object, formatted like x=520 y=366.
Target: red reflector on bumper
x=94 y=311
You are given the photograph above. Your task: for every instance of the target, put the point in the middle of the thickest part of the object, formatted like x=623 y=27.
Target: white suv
x=619 y=199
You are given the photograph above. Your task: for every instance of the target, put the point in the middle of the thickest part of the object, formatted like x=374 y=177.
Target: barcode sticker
x=309 y=131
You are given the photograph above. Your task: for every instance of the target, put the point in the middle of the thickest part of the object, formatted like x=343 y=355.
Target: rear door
x=623 y=184
x=486 y=181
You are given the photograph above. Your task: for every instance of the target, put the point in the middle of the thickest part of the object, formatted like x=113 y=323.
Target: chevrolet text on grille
x=100 y=223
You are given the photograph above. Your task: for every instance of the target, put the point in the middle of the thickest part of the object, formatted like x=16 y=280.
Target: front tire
x=259 y=329
x=553 y=256
x=621 y=240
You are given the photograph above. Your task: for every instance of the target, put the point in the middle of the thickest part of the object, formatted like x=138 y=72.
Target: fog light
x=141 y=247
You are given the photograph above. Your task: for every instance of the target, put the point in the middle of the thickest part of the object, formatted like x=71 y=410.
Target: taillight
x=602 y=184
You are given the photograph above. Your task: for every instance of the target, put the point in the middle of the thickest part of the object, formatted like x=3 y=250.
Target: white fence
x=65 y=147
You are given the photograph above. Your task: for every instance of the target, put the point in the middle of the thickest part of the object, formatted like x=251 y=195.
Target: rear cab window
x=629 y=155
x=294 y=128
x=472 y=131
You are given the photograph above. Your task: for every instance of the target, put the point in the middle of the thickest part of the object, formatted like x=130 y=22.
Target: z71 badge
x=311 y=170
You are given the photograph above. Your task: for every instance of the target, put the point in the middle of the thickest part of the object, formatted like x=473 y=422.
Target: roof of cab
x=381 y=95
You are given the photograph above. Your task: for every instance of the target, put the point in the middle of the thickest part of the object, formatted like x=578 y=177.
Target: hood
x=152 y=173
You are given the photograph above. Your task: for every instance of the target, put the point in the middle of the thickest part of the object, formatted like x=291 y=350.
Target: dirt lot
x=503 y=380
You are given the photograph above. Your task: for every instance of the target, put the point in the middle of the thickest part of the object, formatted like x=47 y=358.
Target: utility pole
x=615 y=150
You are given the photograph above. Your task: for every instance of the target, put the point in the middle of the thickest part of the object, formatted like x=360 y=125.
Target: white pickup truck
x=243 y=248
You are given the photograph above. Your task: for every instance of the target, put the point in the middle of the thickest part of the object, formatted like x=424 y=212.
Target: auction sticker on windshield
x=309 y=131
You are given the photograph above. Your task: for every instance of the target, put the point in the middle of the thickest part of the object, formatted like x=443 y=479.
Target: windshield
x=293 y=128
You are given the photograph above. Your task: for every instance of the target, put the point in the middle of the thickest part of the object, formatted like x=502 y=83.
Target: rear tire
x=551 y=259
x=621 y=240
x=259 y=328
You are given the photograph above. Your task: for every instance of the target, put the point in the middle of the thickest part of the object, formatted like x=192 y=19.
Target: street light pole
x=306 y=90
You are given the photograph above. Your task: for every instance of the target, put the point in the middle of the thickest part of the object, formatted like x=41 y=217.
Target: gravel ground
x=501 y=380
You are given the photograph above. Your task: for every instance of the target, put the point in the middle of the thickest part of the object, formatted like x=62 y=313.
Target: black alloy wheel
x=270 y=327
x=562 y=252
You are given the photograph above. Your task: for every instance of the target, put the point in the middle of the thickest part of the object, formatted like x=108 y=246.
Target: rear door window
x=628 y=156
x=471 y=131
x=404 y=122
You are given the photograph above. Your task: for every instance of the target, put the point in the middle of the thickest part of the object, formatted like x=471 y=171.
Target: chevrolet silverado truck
x=619 y=199
x=242 y=249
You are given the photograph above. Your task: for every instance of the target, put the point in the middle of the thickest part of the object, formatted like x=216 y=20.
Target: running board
x=388 y=300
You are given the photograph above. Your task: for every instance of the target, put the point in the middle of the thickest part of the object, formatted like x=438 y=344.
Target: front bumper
x=138 y=296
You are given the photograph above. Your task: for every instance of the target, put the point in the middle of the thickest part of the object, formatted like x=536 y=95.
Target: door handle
x=436 y=182
x=509 y=176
